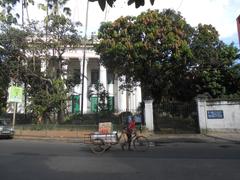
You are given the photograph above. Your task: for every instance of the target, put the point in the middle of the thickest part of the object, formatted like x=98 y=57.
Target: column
x=132 y=106
x=148 y=113
x=65 y=68
x=138 y=96
x=85 y=87
x=122 y=100
x=43 y=65
x=103 y=76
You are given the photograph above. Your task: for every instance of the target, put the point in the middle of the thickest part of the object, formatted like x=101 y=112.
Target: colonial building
x=94 y=72
x=118 y=100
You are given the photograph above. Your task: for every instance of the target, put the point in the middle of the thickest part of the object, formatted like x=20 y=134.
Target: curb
x=65 y=139
x=202 y=138
x=156 y=141
x=222 y=138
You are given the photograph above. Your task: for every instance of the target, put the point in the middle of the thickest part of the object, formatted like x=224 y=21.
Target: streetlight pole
x=84 y=57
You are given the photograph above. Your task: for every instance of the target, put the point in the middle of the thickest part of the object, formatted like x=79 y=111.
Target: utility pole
x=23 y=6
x=84 y=57
x=25 y=84
x=238 y=28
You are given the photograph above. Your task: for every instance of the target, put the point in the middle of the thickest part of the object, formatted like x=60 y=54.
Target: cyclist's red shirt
x=132 y=125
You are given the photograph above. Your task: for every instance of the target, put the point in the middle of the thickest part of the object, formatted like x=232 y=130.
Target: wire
x=179 y=6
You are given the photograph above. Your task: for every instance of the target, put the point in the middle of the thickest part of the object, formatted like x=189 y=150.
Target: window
x=76 y=76
x=110 y=78
x=94 y=76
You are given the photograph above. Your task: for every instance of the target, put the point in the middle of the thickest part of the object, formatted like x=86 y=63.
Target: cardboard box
x=107 y=138
x=105 y=127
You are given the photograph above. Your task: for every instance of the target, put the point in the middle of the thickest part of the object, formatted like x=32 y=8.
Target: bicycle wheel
x=141 y=143
x=97 y=146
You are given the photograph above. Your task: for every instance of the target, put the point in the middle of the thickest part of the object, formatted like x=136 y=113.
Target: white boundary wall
x=218 y=116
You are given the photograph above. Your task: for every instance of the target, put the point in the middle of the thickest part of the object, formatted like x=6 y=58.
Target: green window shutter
x=110 y=103
x=94 y=102
x=75 y=103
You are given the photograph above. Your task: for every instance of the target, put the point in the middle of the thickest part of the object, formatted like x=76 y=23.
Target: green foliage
x=44 y=102
x=12 y=41
x=170 y=59
x=138 y=3
x=7 y=14
x=146 y=48
x=27 y=49
x=213 y=63
x=56 y=6
x=62 y=35
x=102 y=95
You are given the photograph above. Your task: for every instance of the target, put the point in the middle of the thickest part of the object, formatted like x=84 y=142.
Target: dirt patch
x=52 y=133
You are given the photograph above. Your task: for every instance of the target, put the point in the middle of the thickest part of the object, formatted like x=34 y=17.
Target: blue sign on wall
x=215 y=114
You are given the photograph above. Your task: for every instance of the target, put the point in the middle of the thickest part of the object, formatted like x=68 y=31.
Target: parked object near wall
x=218 y=115
x=5 y=129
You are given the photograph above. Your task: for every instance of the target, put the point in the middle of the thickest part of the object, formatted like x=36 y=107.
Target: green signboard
x=15 y=94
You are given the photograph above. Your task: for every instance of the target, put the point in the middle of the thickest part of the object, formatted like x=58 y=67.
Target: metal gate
x=176 y=117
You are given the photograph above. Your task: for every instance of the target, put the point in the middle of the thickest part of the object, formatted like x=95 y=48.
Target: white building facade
x=118 y=100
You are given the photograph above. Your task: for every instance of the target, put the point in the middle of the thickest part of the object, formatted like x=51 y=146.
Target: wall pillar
x=202 y=119
x=148 y=114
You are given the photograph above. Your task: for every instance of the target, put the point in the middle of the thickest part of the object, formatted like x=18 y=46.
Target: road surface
x=49 y=160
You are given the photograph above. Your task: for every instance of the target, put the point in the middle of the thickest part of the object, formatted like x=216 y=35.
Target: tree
x=151 y=49
x=37 y=43
x=60 y=34
x=213 y=61
x=138 y=3
x=4 y=79
x=11 y=58
x=170 y=59
x=7 y=14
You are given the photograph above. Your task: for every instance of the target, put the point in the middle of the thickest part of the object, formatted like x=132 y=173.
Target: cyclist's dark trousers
x=129 y=136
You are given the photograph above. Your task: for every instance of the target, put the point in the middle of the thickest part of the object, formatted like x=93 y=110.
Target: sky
x=221 y=14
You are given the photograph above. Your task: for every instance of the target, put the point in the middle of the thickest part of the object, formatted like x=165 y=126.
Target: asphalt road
x=49 y=160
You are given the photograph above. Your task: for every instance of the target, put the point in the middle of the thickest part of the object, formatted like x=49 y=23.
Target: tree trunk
x=60 y=114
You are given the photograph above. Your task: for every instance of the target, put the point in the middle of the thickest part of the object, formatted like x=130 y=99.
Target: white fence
x=218 y=116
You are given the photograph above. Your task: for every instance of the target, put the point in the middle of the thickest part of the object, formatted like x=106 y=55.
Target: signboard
x=215 y=114
x=15 y=94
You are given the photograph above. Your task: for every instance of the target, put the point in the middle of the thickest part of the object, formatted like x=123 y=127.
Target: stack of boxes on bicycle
x=105 y=132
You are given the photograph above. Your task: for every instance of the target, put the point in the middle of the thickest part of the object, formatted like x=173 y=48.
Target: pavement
x=196 y=138
x=156 y=138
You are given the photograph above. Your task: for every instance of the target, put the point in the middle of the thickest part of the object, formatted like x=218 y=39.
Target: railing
x=176 y=117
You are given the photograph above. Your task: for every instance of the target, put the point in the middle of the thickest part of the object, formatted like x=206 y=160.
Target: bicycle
x=100 y=143
x=139 y=142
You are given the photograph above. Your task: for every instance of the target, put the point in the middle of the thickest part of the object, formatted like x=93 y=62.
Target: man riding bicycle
x=131 y=127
